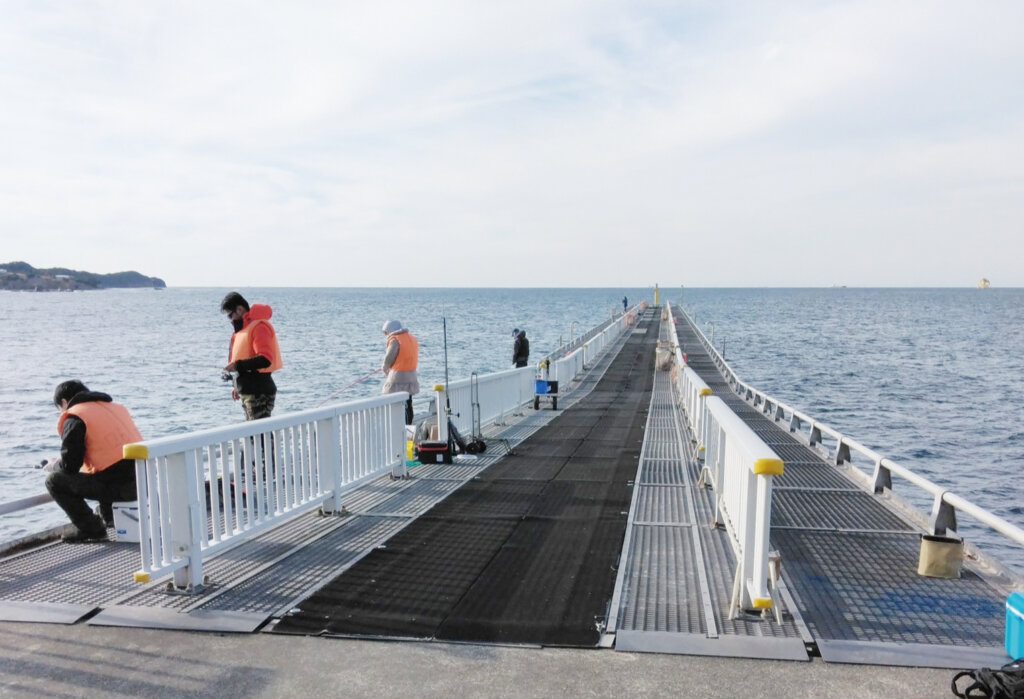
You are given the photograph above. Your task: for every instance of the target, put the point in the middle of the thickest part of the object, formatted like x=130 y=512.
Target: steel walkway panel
x=44 y=612
x=676 y=582
x=150 y=618
x=849 y=561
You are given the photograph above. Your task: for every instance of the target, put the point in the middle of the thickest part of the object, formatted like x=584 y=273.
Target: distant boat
x=984 y=283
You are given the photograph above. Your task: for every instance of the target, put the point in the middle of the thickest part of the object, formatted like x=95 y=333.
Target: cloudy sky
x=526 y=143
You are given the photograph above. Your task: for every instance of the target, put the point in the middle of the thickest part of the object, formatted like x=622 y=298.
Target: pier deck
x=849 y=560
x=527 y=549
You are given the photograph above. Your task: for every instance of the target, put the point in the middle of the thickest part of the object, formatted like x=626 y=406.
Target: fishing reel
x=226 y=376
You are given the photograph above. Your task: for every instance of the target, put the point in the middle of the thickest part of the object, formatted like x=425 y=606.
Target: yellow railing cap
x=705 y=391
x=768 y=467
x=438 y=387
x=762 y=602
x=135 y=451
x=140 y=577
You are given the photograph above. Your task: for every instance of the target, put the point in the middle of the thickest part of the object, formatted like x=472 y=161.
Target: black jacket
x=521 y=350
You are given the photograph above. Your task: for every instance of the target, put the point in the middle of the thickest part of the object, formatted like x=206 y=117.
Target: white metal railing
x=497 y=395
x=24 y=503
x=493 y=396
x=740 y=468
x=601 y=333
x=204 y=491
x=565 y=366
x=842 y=450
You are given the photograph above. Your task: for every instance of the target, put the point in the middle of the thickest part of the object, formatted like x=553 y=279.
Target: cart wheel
x=536 y=402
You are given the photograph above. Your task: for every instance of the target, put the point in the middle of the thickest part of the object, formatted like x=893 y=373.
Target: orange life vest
x=408 y=351
x=108 y=427
x=241 y=346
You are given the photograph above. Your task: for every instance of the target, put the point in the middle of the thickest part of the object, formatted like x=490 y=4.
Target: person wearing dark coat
x=520 y=348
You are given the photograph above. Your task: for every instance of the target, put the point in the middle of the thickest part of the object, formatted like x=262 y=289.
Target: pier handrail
x=740 y=467
x=506 y=392
x=621 y=320
x=743 y=467
x=497 y=395
x=945 y=504
x=250 y=476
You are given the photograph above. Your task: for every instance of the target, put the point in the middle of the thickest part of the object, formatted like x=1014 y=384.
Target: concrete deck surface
x=79 y=661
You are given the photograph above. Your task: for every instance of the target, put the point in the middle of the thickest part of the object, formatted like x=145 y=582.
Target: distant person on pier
x=253 y=353
x=520 y=348
x=93 y=431
x=625 y=304
x=401 y=356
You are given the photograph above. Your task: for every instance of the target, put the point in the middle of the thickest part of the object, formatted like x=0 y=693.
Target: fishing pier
x=665 y=506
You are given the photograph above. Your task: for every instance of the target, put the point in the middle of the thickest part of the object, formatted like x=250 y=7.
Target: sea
x=930 y=378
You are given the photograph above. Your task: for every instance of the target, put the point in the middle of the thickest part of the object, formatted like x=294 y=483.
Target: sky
x=535 y=143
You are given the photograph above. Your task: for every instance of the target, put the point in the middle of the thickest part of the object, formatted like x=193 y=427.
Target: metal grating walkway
x=676 y=581
x=849 y=561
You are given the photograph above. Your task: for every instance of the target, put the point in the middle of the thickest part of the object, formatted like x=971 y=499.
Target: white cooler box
x=126 y=521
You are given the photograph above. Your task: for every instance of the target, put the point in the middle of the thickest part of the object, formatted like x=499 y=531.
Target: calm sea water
x=931 y=378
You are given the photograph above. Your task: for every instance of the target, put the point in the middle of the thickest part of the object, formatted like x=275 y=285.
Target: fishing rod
x=447 y=399
x=357 y=381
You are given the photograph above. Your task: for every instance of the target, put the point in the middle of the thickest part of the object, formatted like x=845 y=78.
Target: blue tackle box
x=1014 y=639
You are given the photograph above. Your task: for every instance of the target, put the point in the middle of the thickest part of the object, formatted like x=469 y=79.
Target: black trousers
x=71 y=490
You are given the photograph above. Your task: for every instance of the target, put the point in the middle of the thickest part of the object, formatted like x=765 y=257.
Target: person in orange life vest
x=93 y=431
x=401 y=356
x=253 y=353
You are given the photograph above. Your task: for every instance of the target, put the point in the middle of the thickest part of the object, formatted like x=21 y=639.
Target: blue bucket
x=542 y=387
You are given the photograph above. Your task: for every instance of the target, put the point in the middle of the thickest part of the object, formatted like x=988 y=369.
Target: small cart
x=545 y=389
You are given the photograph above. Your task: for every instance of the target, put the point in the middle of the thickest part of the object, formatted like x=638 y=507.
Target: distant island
x=21 y=276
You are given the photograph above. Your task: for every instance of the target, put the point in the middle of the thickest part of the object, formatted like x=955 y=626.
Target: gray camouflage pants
x=257 y=405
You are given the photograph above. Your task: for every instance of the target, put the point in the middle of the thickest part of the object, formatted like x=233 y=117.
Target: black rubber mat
x=525 y=553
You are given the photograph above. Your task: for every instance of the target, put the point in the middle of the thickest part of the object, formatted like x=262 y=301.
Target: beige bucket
x=941 y=556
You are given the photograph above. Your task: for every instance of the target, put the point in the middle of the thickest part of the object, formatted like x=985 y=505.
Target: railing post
x=328 y=461
x=442 y=414
x=815 y=436
x=882 y=478
x=197 y=520
x=943 y=515
x=179 y=516
x=396 y=439
x=842 y=455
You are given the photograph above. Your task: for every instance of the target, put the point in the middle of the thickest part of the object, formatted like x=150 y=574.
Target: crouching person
x=93 y=431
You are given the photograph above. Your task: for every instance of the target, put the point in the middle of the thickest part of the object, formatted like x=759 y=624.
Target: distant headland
x=21 y=276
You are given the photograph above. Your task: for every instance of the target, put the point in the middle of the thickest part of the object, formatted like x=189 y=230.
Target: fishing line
x=342 y=390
